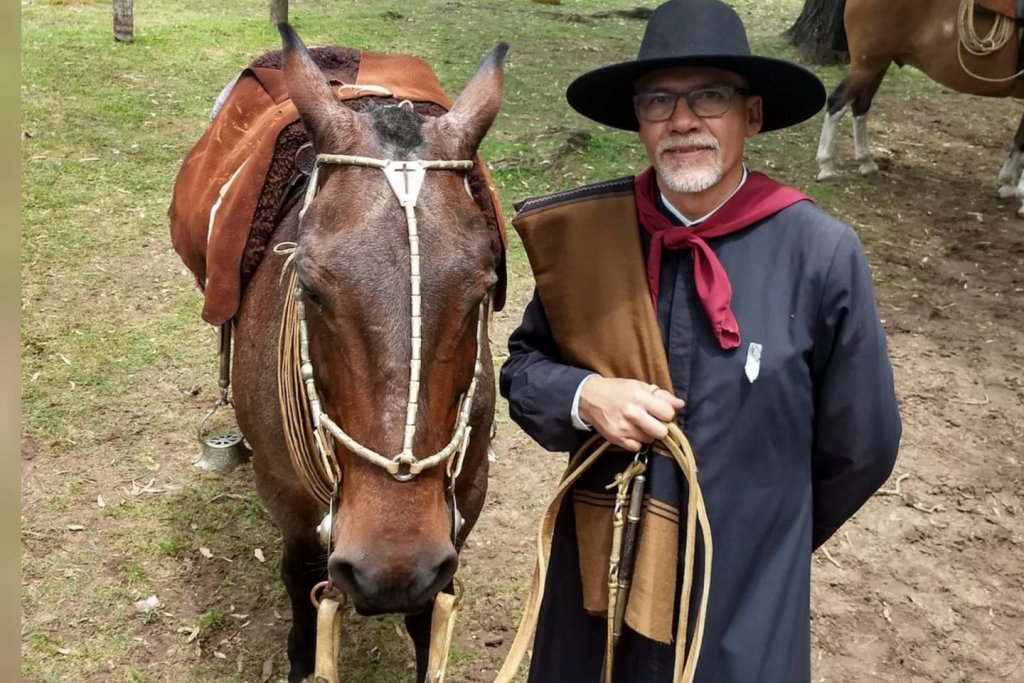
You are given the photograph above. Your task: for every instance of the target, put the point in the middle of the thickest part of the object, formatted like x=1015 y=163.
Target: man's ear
x=755 y=115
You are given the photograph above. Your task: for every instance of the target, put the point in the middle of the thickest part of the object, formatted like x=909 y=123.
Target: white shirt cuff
x=574 y=411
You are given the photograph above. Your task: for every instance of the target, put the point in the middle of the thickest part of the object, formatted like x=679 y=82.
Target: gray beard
x=690 y=180
x=686 y=179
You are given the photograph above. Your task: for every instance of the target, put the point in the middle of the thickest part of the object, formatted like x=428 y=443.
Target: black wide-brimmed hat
x=704 y=33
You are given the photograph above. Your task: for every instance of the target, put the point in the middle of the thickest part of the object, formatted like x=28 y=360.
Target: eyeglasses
x=708 y=102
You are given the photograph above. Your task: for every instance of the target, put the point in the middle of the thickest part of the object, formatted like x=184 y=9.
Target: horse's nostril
x=446 y=570
x=344 y=574
x=434 y=576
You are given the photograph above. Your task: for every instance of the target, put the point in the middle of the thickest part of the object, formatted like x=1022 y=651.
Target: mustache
x=693 y=140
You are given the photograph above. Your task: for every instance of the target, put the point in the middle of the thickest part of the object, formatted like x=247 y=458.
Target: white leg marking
x=1019 y=191
x=861 y=150
x=827 y=145
x=1008 y=174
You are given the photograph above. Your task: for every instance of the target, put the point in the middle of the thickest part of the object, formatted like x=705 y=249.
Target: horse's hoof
x=868 y=167
x=1007 y=191
x=826 y=174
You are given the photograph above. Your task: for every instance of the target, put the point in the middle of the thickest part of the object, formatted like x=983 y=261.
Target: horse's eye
x=309 y=295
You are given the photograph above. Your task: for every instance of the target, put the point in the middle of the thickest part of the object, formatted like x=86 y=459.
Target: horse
x=389 y=268
x=924 y=35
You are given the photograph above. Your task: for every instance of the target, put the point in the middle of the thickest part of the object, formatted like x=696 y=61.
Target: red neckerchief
x=758 y=198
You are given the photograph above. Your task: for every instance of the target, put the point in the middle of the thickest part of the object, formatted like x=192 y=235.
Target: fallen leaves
x=148 y=487
x=147 y=604
x=192 y=632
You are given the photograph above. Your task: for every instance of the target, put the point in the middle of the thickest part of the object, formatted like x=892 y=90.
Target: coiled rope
x=316 y=473
x=678 y=447
x=998 y=36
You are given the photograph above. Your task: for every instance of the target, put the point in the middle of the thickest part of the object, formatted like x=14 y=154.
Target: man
x=716 y=297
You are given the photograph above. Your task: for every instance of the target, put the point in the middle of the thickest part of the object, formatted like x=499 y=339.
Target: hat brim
x=790 y=93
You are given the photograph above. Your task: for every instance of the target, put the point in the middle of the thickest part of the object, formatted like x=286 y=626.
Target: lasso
x=996 y=39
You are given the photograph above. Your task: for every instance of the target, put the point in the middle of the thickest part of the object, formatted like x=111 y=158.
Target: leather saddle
x=1014 y=9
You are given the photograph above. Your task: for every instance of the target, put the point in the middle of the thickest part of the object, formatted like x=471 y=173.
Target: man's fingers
x=644 y=431
x=653 y=428
x=664 y=405
x=673 y=400
x=628 y=444
x=660 y=409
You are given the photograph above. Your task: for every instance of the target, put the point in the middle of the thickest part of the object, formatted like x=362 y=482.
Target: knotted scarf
x=758 y=198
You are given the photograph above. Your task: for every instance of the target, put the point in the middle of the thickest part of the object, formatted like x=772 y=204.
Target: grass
x=117 y=367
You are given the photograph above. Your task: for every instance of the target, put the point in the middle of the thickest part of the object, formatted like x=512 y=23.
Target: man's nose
x=683 y=120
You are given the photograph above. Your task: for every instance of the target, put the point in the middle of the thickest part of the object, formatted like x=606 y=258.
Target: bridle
x=405 y=179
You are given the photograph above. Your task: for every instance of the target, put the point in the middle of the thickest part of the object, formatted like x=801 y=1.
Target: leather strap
x=328 y=640
x=442 y=621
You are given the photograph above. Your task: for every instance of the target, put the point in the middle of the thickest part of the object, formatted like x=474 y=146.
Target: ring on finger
x=653 y=388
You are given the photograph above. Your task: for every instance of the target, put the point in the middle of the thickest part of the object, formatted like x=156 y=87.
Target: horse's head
x=391 y=377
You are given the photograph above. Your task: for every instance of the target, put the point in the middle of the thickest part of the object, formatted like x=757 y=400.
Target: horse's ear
x=327 y=120
x=475 y=109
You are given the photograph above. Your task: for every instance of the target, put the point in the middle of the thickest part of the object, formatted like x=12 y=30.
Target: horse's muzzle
x=377 y=587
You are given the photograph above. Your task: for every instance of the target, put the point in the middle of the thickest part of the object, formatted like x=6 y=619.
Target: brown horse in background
x=394 y=544
x=923 y=34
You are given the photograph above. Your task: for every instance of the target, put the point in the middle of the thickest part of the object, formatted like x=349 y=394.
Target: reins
x=678 y=447
x=997 y=37
x=330 y=604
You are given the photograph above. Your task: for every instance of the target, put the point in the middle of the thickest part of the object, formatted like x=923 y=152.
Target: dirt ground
x=926 y=583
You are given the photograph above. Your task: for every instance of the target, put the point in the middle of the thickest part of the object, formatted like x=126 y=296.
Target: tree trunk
x=124 y=23
x=278 y=11
x=818 y=33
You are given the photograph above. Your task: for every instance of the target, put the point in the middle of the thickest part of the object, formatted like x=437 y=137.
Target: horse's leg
x=860 y=106
x=837 y=106
x=1010 y=170
x=299 y=570
x=418 y=626
x=303 y=560
x=1009 y=173
x=861 y=150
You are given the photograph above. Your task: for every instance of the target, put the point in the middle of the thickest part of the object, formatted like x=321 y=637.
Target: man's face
x=692 y=154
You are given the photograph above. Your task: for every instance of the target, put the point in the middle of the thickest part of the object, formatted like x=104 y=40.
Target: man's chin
x=690 y=180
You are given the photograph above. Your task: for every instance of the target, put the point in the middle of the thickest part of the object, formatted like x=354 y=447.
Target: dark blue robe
x=783 y=460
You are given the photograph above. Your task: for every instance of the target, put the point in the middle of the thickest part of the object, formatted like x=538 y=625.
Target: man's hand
x=627 y=412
